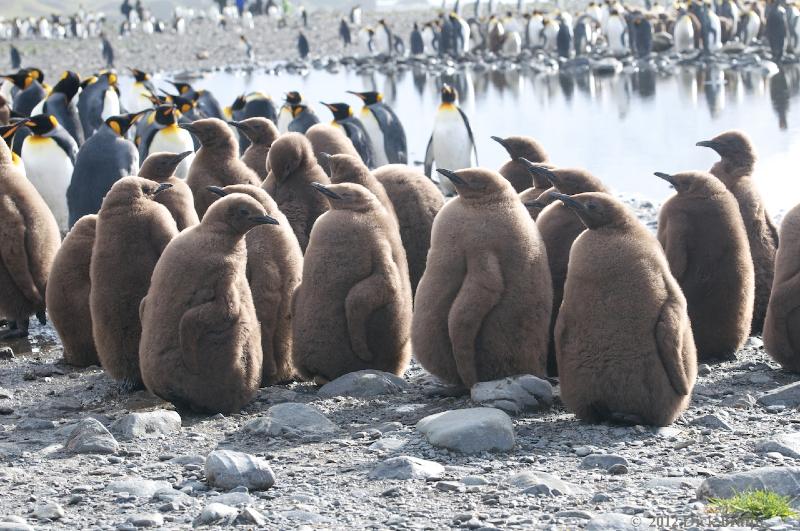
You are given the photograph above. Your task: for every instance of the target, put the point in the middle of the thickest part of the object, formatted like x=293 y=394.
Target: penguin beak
x=237 y=125
x=539 y=170
x=452 y=176
x=568 y=201
x=321 y=188
x=181 y=156
x=709 y=144
x=357 y=94
x=535 y=204
x=161 y=188
x=666 y=176
x=217 y=190
x=264 y=220
x=189 y=127
x=500 y=141
x=324 y=157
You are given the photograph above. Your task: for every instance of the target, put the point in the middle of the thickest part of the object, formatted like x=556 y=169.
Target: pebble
x=146 y=520
x=469 y=431
x=388 y=444
x=538 y=483
x=364 y=384
x=147 y=424
x=138 y=487
x=603 y=461
x=226 y=469
x=215 y=513
x=473 y=481
x=49 y=511
x=406 y=467
x=91 y=437
x=449 y=486
x=291 y=420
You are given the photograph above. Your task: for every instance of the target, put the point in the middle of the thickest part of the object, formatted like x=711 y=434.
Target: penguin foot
x=625 y=418
x=131 y=385
x=42 y=317
x=320 y=380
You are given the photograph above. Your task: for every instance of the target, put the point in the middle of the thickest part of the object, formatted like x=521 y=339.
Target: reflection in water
x=621 y=127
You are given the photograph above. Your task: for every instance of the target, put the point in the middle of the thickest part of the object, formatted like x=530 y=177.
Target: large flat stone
x=227 y=470
x=788 y=395
x=514 y=394
x=783 y=480
x=291 y=420
x=541 y=483
x=469 y=431
x=364 y=384
x=406 y=467
x=147 y=424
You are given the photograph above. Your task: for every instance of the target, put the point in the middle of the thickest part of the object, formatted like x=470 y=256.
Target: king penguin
x=285 y=115
x=49 y=157
x=30 y=91
x=61 y=103
x=354 y=129
x=384 y=129
x=207 y=104
x=452 y=144
x=168 y=137
x=142 y=91
x=249 y=106
x=99 y=100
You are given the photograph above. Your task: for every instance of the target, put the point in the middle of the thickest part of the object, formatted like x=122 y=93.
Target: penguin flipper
x=205 y=326
x=480 y=292
x=670 y=345
x=429 y=158
x=14 y=252
x=471 y=136
x=363 y=299
x=673 y=244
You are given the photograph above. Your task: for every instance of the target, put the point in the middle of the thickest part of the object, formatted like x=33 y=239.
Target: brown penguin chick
x=705 y=241
x=416 y=201
x=623 y=338
x=274 y=270
x=735 y=169
x=782 y=326
x=132 y=231
x=160 y=167
x=262 y=133
x=5 y=111
x=293 y=167
x=487 y=274
x=68 y=294
x=326 y=138
x=201 y=341
x=353 y=310
x=216 y=163
x=535 y=202
x=559 y=227
x=29 y=240
x=522 y=147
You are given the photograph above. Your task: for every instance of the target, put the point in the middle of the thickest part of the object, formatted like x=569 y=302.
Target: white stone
x=787 y=444
x=146 y=520
x=147 y=424
x=217 y=514
x=227 y=470
x=291 y=420
x=542 y=483
x=49 y=511
x=365 y=383
x=469 y=430
x=514 y=394
x=138 y=487
x=407 y=467
x=91 y=437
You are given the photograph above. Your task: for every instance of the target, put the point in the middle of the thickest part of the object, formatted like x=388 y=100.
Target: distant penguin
x=328 y=139
x=216 y=163
x=261 y=133
x=160 y=168
x=749 y=27
x=16 y=57
x=302 y=46
x=549 y=34
x=782 y=325
x=776 y=30
x=61 y=103
x=28 y=246
x=355 y=15
x=477 y=286
x=496 y=33
x=683 y=33
x=167 y=136
x=141 y=92
x=201 y=341
x=344 y=33
x=354 y=129
x=30 y=91
x=642 y=36
x=623 y=337
x=452 y=144
x=382 y=40
x=735 y=169
x=515 y=171
x=107 y=51
x=617 y=34
x=49 y=155
x=293 y=167
x=416 y=202
x=207 y=104
x=274 y=270
x=68 y=294
x=105 y=158
x=285 y=115
x=98 y=100
x=385 y=131
x=417 y=44
x=350 y=312
x=249 y=106
x=303 y=118
x=132 y=232
x=705 y=242
x=533 y=30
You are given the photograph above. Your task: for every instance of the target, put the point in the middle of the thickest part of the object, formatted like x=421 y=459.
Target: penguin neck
x=729 y=170
x=448 y=106
x=221 y=149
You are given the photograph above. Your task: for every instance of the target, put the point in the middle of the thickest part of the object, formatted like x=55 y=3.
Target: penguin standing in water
x=140 y=98
x=749 y=26
x=28 y=81
x=168 y=137
x=344 y=33
x=206 y=103
x=99 y=100
x=683 y=32
x=417 y=44
x=385 y=130
x=49 y=156
x=776 y=30
x=617 y=34
x=354 y=129
x=642 y=37
x=564 y=40
x=61 y=104
x=105 y=158
x=452 y=144
x=302 y=46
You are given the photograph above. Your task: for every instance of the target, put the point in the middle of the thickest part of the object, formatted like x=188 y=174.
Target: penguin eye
x=591 y=206
x=244 y=212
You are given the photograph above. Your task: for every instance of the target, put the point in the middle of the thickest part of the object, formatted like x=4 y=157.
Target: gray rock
x=146 y=520
x=364 y=384
x=172 y=496
x=406 y=467
x=215 y=513
x=232 y=498
x=449 y=486
x=535 y=482
x=49 y=511
x=787 y=444
x=147 y=424
x=583 y=515
x=6 y=353
x=603 y=461
x=783 y=480
x=674 y=483
x=291 y=420
x=474 y=481
x=91 y=437
x=6 y=393
x=138 y=487
x=226 y=469
x=191 y=459
x=614 y=522
x=250 y=516
x=15 y=526
x=715 y=422
x=34 y=424
x=788 y=395
x=388 y=444
x=469 y=430
x=514 y=394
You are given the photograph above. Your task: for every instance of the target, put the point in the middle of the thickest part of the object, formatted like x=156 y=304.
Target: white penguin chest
x=173 y=139
x=284 y=119
x=110 y=104
x=452 y=146
x=375 y=134
x=49 y=169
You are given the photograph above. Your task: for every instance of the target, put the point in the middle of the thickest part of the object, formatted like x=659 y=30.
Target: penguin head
x=42 y=124
x=340 y=111
x=36 y=74
x=235 y=213
x=68 y=85
x=258 y=129
x=568 y=181
x=345 y=168
x=166 y=115
x=22 y=79
x=7 y=133
x=239 y=103
x=369 y=98
x=161 y=166
x=293 y=97
x=139 y=76
x=449 y=94
x=347 y=196
x=288 y=153
x=110 y=76
x=597 y=209
x=182 y=88
x=210 y=132
x=129 y=190
x=693 y=183
x=122 y=122
x=256 y=192
x=522 y=147
x=476 y=183
x=299 y=109
x=734 y=148
x=184 y=105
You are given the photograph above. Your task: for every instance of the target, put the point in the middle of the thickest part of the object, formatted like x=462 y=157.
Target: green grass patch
x=755 y=504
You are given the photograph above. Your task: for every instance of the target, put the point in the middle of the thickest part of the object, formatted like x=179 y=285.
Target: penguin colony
x=304 y=256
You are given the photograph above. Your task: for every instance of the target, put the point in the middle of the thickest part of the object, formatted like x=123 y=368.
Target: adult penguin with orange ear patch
x=343 y=118
x=516 y=171
x=162 y=134
x=735 y=169
x=216 y=162
x=28 y=81
x=261 y=133
x=623 y=337
x=160 y=167
x=384 y=129
x=98 y=100
x=352 y=310
x=201 y=342
x=61 y=104
x=478 y=285
x=105 y=158
x=132 y=231
x=274 y=270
